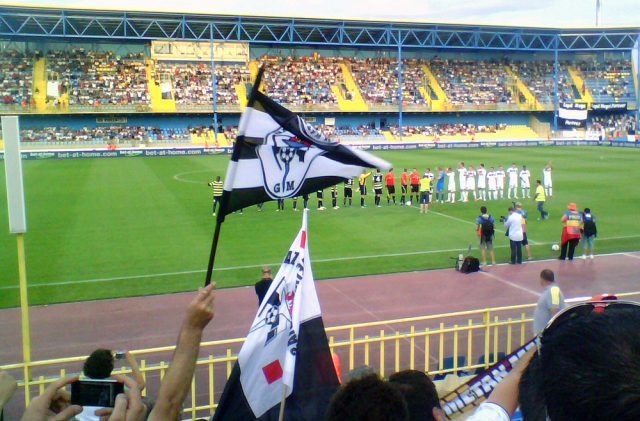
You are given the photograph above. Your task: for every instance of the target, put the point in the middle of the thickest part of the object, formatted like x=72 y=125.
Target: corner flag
x=286 y=353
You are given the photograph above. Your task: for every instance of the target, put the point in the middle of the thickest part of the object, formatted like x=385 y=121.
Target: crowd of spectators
x=103 y=78
x=16 y=78
x=111 y=134
x=377 y=79
x=302 y=80
x=474 y=82
x=613 y=123
x=446 y=129
x=99 y=78
x=609 y=81
x=192 y=82
x=538 y=77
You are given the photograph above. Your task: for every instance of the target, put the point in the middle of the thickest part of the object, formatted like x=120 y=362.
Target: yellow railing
x=453 y=343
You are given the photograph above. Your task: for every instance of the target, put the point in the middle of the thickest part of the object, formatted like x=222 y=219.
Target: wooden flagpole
x=224 y=204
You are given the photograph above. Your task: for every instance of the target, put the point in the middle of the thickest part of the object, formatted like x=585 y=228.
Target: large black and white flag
x=279 y=155
x=286 y=353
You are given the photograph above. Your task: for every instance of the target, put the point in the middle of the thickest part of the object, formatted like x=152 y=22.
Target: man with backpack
x=485 y=229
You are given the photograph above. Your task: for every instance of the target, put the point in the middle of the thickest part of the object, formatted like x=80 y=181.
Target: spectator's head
x=588 y=368
x=547 y=277
x=518 y=206
x=587 y=210
x=420 y=394
x=524 y=167
x=483 y=210
x=481 y=165
x=405 y=170
x=368 y=399
x=378 y=170
x=572 y=207
x=492 y=168
x=266 y=273
x=538 y=182
x=99 y=364
x=218 y=178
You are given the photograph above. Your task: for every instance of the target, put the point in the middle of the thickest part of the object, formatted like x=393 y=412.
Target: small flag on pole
x=279 y=155
x=285 y=359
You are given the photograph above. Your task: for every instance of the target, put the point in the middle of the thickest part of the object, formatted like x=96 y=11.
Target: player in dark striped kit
x=348 y=192
x=334 y=197
x=218 y=188
x=377 y=186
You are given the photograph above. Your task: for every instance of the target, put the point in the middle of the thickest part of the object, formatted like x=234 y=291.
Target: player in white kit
x=492 y=184
x=546 y=180
x=512 y=172
x=482 y=182
x=525 y=183
x=451 y=185
x=462 y=182
x=471 y=183
x=500 y=175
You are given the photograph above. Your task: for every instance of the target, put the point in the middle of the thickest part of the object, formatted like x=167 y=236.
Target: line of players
x=482 y=184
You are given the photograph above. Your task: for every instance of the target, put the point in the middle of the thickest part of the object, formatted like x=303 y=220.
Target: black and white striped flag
x=278 y=155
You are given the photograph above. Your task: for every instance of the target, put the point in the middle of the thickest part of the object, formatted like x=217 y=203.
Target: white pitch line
x=632 y=255
x=511 y=284
x=178 y=177
x=328 y=260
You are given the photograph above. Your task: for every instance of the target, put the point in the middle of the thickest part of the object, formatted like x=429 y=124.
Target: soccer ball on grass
x=555 y=247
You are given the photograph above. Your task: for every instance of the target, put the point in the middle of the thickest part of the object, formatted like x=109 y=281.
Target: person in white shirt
x=513 y=224
x=462 y=182
x=500 y=175
x=451 y=185
x=471 y=183
x=482 y=182
x=492 y=184
x=546 y=180
x=512 y=191
x=525 y=183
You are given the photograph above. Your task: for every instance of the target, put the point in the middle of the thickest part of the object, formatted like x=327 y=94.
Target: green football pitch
x=100 y=228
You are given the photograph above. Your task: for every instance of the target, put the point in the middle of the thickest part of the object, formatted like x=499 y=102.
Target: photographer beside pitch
x=513 y=224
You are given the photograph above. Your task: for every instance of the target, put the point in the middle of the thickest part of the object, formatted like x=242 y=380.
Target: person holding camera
x=100 y=365
x=485 y=229
x=513 y=224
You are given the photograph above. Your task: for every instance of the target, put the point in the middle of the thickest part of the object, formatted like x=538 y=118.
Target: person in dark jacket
x=589 y=233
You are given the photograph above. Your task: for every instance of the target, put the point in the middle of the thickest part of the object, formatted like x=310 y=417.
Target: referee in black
x=377 y=186
x=218 y=188
x=348 y=191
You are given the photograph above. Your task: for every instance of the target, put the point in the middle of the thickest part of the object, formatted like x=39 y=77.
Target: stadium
x=127 y=117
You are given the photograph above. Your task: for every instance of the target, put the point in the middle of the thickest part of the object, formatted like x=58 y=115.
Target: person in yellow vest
x=425 y=193
x=571 y=235
x=362 y=181
x=540 y=197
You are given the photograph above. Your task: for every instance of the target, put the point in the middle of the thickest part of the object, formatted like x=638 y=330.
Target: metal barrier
x=453 y=343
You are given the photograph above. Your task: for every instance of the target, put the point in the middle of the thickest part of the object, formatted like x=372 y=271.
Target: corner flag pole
x=18 y=226
x=224 y=203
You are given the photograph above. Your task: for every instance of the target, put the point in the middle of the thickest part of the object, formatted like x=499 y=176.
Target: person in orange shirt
x=390 y=181
x=571 y=235
x=414 y=179
x=404 y=181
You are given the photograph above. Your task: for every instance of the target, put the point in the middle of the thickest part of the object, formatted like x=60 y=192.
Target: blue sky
x=566 y=13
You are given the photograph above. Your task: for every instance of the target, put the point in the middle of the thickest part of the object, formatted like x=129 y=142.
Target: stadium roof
x=522 y=13
x=36 y=22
